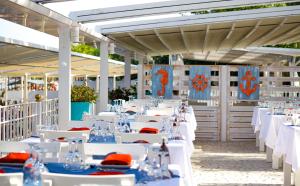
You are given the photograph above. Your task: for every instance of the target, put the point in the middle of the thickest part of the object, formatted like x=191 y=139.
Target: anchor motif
x=248 y=78
x=200 y=82
x=164 y=80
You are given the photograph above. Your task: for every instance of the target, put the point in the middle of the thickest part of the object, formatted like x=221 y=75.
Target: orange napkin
x=61 y=139
x=15 y=157
x=79 y=129
x=117 y=159
x=106 y=173
x=149 y=130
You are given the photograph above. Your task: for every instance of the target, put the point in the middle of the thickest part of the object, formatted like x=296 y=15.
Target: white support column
x=86 y=80
x=25 y=88
x=140 y=80
x=103 y=94
x=64 y=93
x=6 y=91
x=224 y=100
x=46 y=86
x=127 y=68
x=22 y=89
x=114 y=82
x=98 y=93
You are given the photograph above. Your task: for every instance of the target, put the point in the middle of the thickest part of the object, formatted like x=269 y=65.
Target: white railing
x=20 y=121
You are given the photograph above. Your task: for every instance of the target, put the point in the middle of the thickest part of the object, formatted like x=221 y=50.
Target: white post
x=224 y=101
x=127 y=68
x=140 y=80
x=22 y=89
x=103 y=93
x=6 y=91
x=86 y=80
x=97 y=108
x=64 y=93
x=114 y=82
x=46 y=87
x=25 y=88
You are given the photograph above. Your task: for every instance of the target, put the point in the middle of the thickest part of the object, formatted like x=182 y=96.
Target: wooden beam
x=227 y=36
x=260 y=40
x=141 y=42
x=205 y=38
x=283 y=37
x=186 y=44
x=249 y=34
x=162 y=40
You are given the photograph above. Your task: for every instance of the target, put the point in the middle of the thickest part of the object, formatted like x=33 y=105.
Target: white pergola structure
x=228 y=37
x=43 y=20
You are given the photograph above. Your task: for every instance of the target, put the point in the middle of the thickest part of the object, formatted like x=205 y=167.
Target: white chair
x=52 y=151
x=108 y=118
x=133 y=137
x=139 y=125
x=143 y=118
x=137 y=151
x=11 y=179
x=48 y=135
x=74 y=124
x=13 y=146
x=51 y=179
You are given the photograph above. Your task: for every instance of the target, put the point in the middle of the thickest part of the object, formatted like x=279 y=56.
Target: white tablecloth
x=258 y=114
x=179 y=156
x=288 y=144
x=168 y=182
x=270 y=127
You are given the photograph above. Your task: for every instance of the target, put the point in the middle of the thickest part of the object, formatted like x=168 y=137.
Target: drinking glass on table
x=69 y=155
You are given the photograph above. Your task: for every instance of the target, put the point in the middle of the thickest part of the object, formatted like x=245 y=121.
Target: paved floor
x=234 y=163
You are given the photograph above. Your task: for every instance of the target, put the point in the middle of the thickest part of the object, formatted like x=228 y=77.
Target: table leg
x=257 y=138
x=261 y=145
x=287 y=170
x=269 y=154
x=276 y=162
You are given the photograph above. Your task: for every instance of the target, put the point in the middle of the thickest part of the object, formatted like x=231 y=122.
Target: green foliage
x=83 y=93
x=116 y=57
x=122 y=93
x=161 y=59
x=245 y=8
x=86 y=49
x=292 y=45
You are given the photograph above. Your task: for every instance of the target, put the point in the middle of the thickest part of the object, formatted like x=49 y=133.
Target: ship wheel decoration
x=200 y=82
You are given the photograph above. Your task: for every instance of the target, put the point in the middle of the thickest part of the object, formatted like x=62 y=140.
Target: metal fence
x=20 y=121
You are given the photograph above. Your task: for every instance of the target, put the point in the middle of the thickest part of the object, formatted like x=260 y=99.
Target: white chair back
x=142 y=118
x=52 y=151
x=162 y=112
x=137 y=151
x=108 y=118
x=48 y=135
x=13 y=146
x=133 y=137
x=11 y=179
x=51 y=179
x=139 y=125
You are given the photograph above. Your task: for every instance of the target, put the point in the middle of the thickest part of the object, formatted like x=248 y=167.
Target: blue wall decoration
x=199 y=83
x=248 y=87
x=162 y=81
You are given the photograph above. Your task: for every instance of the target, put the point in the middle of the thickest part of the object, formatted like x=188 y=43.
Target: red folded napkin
x=149 y=130
x=157 y=115
x=140 y=141
x=79 y=129
x=152 y=121
x=2 y=171
x=61 y=139
x=106 y=173
x=15 y=157
x=117 y=159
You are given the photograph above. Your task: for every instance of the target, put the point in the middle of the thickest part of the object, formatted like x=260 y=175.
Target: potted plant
x=82 y=99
